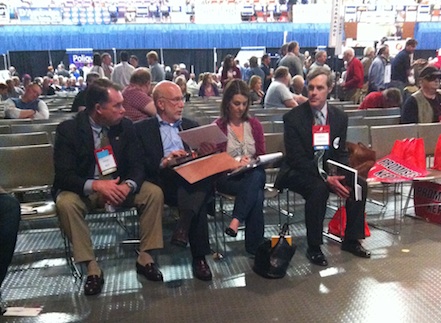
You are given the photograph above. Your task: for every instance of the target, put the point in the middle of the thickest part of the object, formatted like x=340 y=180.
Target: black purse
x=272 y=262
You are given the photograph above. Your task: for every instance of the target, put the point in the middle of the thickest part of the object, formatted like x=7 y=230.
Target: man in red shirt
x=388 y=98
x=354 y=76
x=137 y=101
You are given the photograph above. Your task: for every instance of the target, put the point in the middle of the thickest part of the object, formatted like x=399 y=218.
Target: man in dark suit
x=81 y=183
x=161 y=147
x=9 y=225
x=304 y=169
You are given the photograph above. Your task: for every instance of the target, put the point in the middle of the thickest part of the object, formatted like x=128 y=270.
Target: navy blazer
x=151 y=143
x=74 y=157
x=299 y=159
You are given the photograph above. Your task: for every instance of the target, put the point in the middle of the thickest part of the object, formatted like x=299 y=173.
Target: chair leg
x=221 y=205
x=76 y=273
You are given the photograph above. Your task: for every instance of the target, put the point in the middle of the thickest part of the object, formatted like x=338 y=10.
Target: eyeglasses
x=175 y=100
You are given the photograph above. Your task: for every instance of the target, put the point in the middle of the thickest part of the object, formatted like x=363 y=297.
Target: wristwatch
x=130 y=185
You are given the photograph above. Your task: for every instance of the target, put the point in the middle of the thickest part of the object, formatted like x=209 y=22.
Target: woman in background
x=208 y=88
x=97 y=65
x=256 y=93
x=229 y=71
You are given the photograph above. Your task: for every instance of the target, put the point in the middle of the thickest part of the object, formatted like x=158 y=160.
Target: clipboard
x=209 y=133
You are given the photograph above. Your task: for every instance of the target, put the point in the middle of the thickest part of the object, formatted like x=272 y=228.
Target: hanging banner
x=337 y=26
x=391 y=169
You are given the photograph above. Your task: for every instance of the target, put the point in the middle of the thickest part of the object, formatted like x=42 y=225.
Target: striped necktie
x=319 y=154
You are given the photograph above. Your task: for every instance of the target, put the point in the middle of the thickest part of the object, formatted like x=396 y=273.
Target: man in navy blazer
x=80 y=187
x=300 y=171
x=161 y=146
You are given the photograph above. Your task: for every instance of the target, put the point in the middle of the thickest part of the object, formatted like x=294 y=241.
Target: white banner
x=337 y=26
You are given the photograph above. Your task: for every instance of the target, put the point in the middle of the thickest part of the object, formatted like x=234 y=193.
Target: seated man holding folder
x=315 y=132
x=162 y=145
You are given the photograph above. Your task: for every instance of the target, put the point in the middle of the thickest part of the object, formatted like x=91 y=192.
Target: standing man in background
x=158 y=73
x=122 y=71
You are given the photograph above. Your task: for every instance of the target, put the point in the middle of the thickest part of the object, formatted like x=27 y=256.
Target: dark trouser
x=316 y=193
x=191 y=201
x=9 y=223
x=248 y=188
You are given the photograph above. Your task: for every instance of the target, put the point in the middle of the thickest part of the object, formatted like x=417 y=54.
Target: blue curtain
x=428 y=35
x=167 y=36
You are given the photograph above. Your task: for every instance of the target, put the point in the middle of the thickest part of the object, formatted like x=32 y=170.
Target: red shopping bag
x=337 y=225
x=437 y=159
x=411 y=151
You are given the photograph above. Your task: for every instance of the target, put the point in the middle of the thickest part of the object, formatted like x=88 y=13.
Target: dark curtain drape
x=34 y=63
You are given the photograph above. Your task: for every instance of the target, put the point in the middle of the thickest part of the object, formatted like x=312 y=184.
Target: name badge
x=320 y=137
x=105 y=160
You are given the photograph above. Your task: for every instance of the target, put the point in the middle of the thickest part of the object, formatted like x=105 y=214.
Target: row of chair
x=373 y=112
x=382 y=138
x=374 y=121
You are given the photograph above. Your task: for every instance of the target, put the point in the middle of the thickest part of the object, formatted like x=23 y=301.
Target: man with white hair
x=184 y=71
x=354 y=76
x=366 y=61
x=320 y=61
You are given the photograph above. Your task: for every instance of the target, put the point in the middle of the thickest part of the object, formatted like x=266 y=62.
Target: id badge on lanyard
x=105 y=160
x=321 y=137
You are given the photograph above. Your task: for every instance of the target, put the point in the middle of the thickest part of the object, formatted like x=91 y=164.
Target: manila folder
x=204 y=167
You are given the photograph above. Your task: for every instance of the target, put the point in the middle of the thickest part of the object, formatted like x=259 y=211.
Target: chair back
x=383 y=137
x=382 y=120
x=358 y=134
x=26 y=166
x=5 y=129
x=430 y=133
x=274 y=143
x=382 y=112
x=24 y=139
x=34 y=127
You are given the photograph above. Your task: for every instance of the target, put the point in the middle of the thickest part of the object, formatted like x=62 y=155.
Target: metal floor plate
x=400 y=283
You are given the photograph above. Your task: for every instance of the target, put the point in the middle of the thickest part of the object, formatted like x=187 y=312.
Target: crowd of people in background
x=107 y=96
x=272 y=83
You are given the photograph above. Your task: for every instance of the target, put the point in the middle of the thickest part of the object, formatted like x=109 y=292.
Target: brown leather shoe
x=201 y=270
x=150 y=271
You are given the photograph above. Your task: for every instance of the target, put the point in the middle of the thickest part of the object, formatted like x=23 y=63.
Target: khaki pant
x=72 y=209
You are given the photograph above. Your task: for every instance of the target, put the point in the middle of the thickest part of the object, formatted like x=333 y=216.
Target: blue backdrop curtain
x=171 y=36
x=428 y=35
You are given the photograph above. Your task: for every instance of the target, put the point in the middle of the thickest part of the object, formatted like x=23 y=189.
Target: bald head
x=298 y=82
x=168 y=101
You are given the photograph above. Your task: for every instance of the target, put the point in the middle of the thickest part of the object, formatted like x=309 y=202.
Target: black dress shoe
x=316 y=257
x=150 y=271
x=94 y=284
x=201 y=270
x=180 y=238
x=231 y=232
x=356 y=249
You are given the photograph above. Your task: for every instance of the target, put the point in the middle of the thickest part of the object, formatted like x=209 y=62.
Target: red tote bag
x=437 y=159
x=337 y=225
x=411 y=151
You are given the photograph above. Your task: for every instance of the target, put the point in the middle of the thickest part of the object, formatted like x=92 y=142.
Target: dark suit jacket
x=74 y=157
x=299 y=159
x=151 y=143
